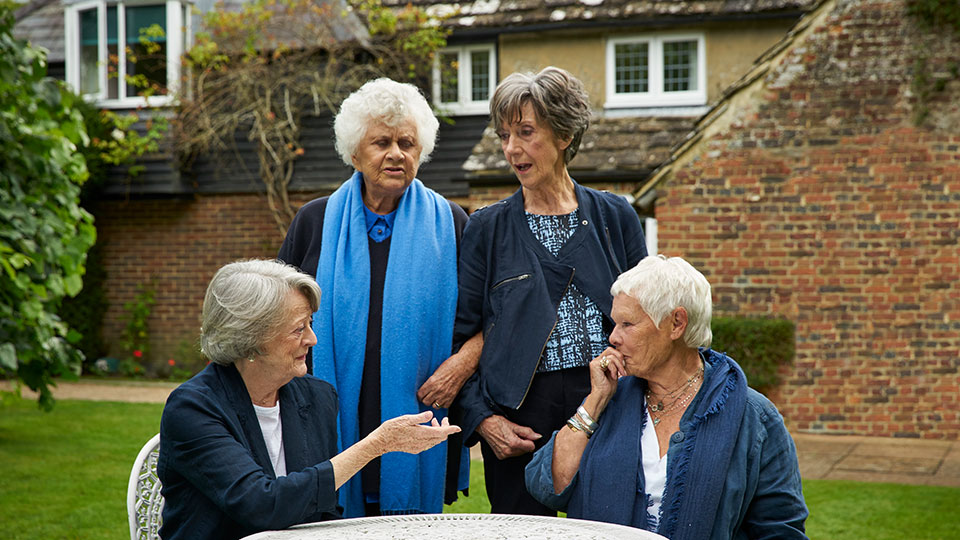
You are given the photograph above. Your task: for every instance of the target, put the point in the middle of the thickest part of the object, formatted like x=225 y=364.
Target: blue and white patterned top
x=578 y=336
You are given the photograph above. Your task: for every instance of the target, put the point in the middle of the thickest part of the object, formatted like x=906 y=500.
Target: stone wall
x=824 y=203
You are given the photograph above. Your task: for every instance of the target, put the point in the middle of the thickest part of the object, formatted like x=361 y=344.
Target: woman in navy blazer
x=249 y=444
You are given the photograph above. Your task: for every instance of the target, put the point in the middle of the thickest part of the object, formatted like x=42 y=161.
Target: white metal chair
x=144 y=502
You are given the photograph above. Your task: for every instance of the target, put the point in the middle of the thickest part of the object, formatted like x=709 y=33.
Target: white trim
x=174 y=46
x=650 y=234
x=655 y=96
x=465 y=104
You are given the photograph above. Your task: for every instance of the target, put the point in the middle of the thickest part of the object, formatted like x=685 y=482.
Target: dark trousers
x=553 y=398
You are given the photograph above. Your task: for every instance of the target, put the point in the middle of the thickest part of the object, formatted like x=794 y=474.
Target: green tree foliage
x=44 y=233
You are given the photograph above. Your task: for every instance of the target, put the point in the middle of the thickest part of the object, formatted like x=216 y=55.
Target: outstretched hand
x=413 y=433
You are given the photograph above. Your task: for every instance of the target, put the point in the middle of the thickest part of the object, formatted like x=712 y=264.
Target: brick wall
x=176 y=245
x=823 y=203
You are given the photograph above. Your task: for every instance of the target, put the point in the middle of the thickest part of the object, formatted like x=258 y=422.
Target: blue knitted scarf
x=419 y=304
x=695 y=478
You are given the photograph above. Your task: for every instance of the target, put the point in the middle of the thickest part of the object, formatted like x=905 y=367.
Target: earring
x=251 y=359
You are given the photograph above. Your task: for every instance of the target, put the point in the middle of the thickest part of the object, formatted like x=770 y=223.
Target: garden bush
x=760 y=346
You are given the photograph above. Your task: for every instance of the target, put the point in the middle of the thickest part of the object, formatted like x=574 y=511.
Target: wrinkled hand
x=506 y=438
x=410 y=433
x=603 y=380
x=443 y=386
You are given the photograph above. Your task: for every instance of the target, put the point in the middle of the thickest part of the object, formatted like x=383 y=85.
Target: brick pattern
x=826 y=205
x=176 y=245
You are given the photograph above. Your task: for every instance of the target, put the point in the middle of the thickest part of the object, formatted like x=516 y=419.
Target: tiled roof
x=524 y=13
x=611 y=145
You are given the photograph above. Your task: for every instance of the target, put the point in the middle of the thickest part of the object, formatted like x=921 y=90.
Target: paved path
x=839 y=457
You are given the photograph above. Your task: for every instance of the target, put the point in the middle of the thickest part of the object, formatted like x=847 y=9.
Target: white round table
x=458 y=527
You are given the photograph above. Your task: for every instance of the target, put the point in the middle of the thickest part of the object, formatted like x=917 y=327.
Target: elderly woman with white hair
x=249 y=444
x=383 y=248
x=671 y=439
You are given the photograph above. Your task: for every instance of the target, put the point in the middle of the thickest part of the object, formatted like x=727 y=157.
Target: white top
x=272 y=429
x=654 y=466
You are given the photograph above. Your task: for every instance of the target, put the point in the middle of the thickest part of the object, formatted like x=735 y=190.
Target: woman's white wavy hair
x=661 y=285
x=387 y=101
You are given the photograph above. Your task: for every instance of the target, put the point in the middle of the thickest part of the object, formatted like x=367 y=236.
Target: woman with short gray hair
x=249 y=444
x=383 y=247
x=670 y=432
x=535 y=273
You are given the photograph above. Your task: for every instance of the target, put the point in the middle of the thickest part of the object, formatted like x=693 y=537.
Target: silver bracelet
x=576 y=425
x=587 y=419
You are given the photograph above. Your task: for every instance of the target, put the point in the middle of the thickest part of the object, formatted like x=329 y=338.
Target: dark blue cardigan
x=510 y=287
x=218 y=482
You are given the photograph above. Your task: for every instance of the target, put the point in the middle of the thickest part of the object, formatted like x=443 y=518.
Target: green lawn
x=63 y=475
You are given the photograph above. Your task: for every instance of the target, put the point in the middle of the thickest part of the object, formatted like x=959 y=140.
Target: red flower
x=138 y=353
x=171 y=362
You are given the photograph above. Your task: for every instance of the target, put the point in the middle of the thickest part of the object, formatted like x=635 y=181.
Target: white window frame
x=465 y=104
x=655 y=96
x=177 y=41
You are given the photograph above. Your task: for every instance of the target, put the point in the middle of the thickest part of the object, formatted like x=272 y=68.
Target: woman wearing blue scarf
x=383 y=248
x=710 y=458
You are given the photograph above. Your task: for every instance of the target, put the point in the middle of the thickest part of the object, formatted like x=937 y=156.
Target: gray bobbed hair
x=557 y=97
x=387 y=101
x=661 y=285
x=244 y=305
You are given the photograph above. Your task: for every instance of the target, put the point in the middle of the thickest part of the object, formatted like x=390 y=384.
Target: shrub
x=760 y=346
x=44 y=233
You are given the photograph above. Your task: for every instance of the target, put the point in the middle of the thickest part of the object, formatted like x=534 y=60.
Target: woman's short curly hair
x=557 y=97
x=387 y=101
x=244 y=305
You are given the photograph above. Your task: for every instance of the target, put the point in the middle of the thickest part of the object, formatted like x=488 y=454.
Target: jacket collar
x=518 y=214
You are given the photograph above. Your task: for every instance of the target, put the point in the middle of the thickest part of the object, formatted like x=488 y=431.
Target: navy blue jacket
x=218 y=482
x=511 y=286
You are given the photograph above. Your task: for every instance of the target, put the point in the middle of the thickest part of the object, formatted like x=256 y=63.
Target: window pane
x=679 y=66
x=449 y=66
x=146 y=40
x=631 y=67
x=479 y=75
x=88 y=51
x=113 y=58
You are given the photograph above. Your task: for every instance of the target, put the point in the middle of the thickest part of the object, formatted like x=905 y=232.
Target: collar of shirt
x=379 y=228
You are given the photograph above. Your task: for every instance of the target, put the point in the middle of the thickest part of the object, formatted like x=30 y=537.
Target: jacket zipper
x=540 y=357
x=521 y=277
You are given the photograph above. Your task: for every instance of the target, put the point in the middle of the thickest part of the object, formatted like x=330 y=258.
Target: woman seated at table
x=679 y=445
x=250 y=444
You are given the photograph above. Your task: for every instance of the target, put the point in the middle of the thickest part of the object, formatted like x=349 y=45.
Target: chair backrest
x=144 y=502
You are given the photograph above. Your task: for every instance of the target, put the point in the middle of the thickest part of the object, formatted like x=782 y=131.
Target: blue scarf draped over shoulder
x=419 y=305
x=695 y=479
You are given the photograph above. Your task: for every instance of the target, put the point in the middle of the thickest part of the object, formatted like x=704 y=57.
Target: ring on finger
x=604 y=362
x=436 y=405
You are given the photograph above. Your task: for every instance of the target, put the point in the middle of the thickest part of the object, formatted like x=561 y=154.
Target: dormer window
x=656 y=71
x=116 y=50
x=464 y=78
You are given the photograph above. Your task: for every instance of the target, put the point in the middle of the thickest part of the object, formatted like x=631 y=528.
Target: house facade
x=651 y=68
x=824 y=187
